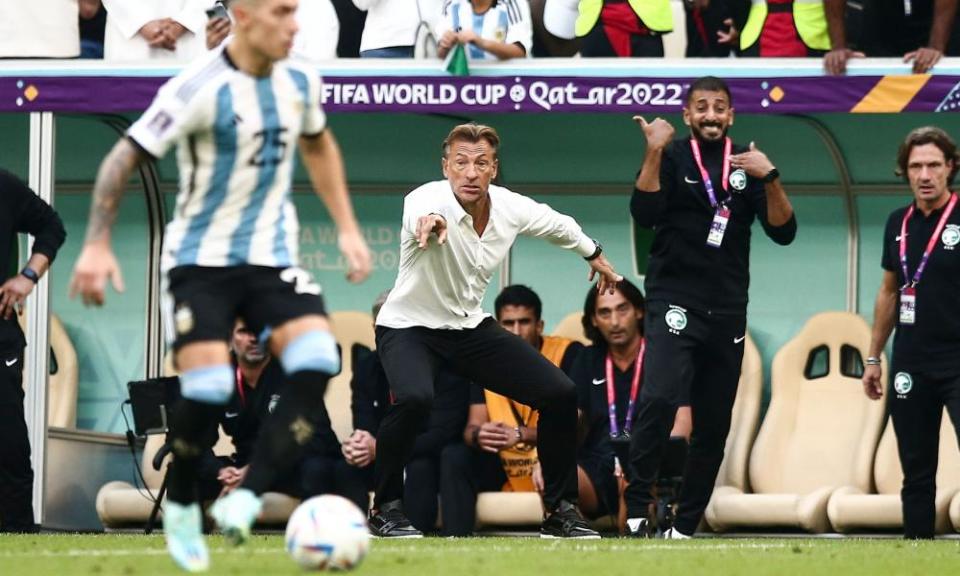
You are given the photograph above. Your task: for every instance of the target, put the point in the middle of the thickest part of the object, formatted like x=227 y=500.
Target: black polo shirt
x=682 y=269
x=589 y=375
x=932 y=343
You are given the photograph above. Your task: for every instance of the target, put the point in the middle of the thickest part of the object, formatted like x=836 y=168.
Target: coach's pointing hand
x=429 y=224
x=608 y=276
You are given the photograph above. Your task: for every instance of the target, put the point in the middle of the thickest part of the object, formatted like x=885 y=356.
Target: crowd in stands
x=920 y=31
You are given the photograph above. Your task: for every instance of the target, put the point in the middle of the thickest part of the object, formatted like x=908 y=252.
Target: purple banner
x=522 y=94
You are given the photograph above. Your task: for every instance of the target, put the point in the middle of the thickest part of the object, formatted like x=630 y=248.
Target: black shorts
x=206 y=301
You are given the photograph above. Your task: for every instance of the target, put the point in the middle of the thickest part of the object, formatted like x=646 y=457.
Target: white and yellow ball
x=327 y=533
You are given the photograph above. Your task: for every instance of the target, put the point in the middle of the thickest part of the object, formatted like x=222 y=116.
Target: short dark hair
x=629 y=291
x=709 y=84
x=927 y=135
x=518 y=295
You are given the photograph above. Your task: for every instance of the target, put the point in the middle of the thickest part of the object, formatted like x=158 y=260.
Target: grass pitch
x=127 y=555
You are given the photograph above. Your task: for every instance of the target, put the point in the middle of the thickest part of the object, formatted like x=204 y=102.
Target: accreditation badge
x=908 y=305
x=718 y=227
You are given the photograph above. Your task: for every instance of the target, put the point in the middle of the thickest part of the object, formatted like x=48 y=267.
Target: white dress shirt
x=125 y=18
x=442 y=287
x=389 y=23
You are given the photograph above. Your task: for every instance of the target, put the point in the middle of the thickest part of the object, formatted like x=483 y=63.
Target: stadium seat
x=570 y=327
x=64 y=375
x=850 y=509
x=743 y=427
x=349 y=328
x=820 y=431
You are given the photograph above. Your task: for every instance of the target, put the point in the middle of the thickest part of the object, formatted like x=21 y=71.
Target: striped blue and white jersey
x=507 y=21
x=236 y=135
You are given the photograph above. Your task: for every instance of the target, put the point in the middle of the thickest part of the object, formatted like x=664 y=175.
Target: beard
x=254 y=356
x=699 y=134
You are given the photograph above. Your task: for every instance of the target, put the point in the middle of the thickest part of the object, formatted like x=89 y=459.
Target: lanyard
x=931 y=244
x=634 y=389
x=243 y=395
x=707 y=183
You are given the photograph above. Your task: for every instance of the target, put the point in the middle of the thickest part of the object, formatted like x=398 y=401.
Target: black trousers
x=493 y=358
x=16 y=473
x=421 y=491
x=464 y=473
x=916 y=409
x=693 y=356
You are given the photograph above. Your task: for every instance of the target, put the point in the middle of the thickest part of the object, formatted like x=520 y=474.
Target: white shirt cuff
x=586 y=246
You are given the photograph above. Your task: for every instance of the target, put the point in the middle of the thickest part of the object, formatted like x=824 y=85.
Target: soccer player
x=231 y=250
x=700 y=195
x=454 y=234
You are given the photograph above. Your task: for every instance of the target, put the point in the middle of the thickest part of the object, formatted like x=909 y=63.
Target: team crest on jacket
x=950 y=236
x=676 y=319
x=902 y=384
x=738 y=179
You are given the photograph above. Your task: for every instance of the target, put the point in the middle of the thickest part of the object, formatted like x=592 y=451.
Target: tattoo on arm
x=115 y=171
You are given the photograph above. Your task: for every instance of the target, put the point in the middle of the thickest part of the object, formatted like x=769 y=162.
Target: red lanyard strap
x=931 y=244
x=240 y=392
x=634 y=390
x=707 y=183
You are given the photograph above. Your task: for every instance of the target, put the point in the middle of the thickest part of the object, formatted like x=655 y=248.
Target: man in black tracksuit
x=701 y=196
x=918 y=295
x=20 y=211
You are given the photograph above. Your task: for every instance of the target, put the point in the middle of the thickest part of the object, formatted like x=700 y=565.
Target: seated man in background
x=608 y=378
x=370 y=399
x=500 y=440
x=159 y=29
x=488 y=29
x=259 y=385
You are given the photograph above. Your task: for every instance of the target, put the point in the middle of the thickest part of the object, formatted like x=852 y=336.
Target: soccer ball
x=327 y=532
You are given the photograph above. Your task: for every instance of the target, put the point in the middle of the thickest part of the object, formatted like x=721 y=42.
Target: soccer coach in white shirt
x=455 y=233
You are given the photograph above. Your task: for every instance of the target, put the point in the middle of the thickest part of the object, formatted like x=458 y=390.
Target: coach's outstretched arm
x=324 y=163
x=96 y=263
x=647 y=205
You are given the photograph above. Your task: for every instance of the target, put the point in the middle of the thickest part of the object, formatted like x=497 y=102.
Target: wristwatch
x=771 y=176
x=596 y=253
x=31 y=274
x=873 y=361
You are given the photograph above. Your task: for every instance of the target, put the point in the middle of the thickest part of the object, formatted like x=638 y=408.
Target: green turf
x=128 y=555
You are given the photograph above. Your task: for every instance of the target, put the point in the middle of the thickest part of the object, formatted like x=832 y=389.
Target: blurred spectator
x=499 y=452
x=488 y=29
x=609 y=376
x=259 y=385
x=787 y=29
x=554 y=22
x=371 y=398
x=352 y=22
x=617 y=28
x=316 y=39
x=922 y=31
x=712 y=31
x=390 y=29
x=154 y=29
x=93 y=21
x=39 y=29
